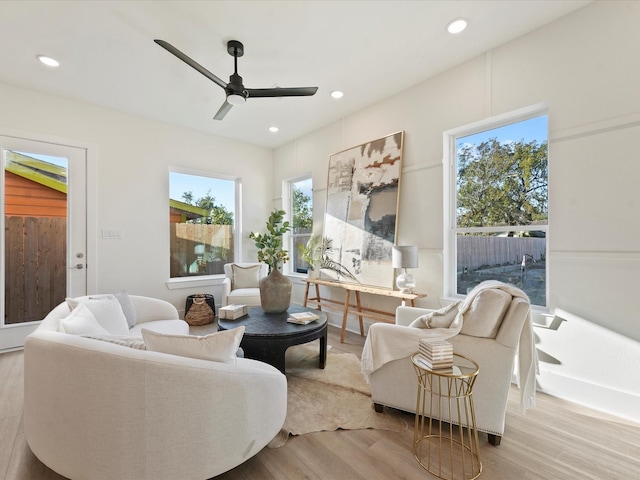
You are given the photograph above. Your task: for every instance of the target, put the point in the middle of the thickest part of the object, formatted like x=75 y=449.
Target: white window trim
x=449 y=187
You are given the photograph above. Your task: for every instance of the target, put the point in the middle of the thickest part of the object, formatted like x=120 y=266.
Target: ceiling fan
x=236 y=92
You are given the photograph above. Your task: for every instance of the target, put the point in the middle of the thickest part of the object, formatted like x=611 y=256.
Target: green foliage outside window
x=502 y=184
x=302 y=210
x=218 y=214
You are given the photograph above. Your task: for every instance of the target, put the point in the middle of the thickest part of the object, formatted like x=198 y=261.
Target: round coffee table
x=268 y=335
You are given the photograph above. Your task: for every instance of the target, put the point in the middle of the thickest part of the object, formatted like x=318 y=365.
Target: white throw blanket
x=393 y=342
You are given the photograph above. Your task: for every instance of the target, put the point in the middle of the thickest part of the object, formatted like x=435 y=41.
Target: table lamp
x=405 y=256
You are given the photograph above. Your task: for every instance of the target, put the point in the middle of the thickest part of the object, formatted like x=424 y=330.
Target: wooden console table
x=347 y=307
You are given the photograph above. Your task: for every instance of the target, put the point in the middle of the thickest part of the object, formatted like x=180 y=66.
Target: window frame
x=209 y=279
x=289 y=240
x=450 y=194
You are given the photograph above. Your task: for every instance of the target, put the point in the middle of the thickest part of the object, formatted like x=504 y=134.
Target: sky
x=305 y=186
x=221 y=190
x=534 y=129
x=60 y=161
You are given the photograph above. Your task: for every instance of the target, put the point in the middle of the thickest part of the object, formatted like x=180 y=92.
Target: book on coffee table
x=232 y=312
x=302 y=318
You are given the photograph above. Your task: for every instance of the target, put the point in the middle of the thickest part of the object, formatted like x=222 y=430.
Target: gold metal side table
x=445 y=439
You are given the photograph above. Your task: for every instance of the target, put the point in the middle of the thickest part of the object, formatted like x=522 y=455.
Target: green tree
x=218 y=214
x=502 y=183
x=302 y=212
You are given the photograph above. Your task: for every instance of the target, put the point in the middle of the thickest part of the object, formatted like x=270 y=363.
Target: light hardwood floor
x=555 y=441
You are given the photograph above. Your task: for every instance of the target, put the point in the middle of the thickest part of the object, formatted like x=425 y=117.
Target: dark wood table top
x=261 y=324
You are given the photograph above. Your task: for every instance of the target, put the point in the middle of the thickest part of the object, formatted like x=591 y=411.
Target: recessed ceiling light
x=273 y=129
x=457 y=26
x=51 y=62
x=337 y=94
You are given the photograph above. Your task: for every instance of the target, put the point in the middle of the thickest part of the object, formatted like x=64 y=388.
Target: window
x=301 y=211
x=498 y=204
x=202 y=224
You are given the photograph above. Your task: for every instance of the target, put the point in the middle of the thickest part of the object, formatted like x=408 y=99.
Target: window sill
x=296 y=277
x=190 y=282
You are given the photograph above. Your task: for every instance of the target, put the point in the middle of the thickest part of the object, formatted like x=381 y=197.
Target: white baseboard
x=605 y=399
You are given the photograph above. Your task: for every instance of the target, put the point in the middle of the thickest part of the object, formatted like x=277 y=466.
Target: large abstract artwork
x=363 y=190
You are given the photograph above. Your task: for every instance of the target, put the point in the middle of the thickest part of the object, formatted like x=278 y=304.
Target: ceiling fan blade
x=192 y=63
x=281 y=92
x=224 y=109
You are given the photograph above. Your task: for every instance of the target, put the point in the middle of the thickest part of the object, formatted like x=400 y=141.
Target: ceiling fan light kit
x=237 y=93
x=234 y=99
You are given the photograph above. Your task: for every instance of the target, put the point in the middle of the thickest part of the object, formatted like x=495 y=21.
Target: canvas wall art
x=363 y=191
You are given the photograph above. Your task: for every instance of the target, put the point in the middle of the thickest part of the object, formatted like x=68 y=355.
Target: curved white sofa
x=96 y=410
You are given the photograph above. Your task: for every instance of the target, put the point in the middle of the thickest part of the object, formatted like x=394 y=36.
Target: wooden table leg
x=306 y=295
x=359 y=313
x=318 y=297
x=322 y=361
x=345 y=313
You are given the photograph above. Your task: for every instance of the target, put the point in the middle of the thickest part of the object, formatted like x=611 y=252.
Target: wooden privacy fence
x=35 y=267
x=481 y=251
x=218 y=248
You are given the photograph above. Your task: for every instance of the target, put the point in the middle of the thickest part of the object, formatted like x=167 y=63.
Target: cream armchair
x=494 y=327
x=241 y=283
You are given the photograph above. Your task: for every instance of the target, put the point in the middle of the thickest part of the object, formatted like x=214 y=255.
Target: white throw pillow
x=245 y=277
x=485 y=314
x=438 y=318
x=219 y=346
x=81 y=322
x=107 y=311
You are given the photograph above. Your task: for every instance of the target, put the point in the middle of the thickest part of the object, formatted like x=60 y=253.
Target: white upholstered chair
x=491 y=334
x=241 y=283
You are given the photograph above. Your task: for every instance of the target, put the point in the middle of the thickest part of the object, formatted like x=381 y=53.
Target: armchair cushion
x=245 y=277
x=242 y=283
x=438 y=318
x=486 y=313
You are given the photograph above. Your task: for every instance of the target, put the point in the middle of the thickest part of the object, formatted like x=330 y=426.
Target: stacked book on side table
x=436 y=355
x=232 y=312
x=302 y=318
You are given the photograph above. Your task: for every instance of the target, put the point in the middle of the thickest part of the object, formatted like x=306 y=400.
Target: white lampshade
x=404 y=256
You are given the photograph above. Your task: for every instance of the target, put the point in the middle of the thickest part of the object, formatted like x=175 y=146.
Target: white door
x=43 y=215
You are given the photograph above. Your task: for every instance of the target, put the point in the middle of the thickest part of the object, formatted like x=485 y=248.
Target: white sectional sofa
x=97 y=410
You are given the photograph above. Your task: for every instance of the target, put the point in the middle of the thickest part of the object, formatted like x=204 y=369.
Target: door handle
x=78 y=266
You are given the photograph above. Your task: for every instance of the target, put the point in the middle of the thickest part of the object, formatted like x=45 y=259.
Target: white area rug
x=329 y=399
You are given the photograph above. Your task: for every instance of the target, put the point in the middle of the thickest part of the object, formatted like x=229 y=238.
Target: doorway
x=43 y=206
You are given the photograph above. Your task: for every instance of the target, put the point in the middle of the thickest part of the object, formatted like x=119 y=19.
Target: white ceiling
x=369 y=49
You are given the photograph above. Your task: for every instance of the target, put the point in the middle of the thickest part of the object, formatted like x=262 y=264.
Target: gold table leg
x=445 y=440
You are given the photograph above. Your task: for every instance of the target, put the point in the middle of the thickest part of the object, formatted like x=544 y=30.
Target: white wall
x=130 y=157
x=584 y=66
